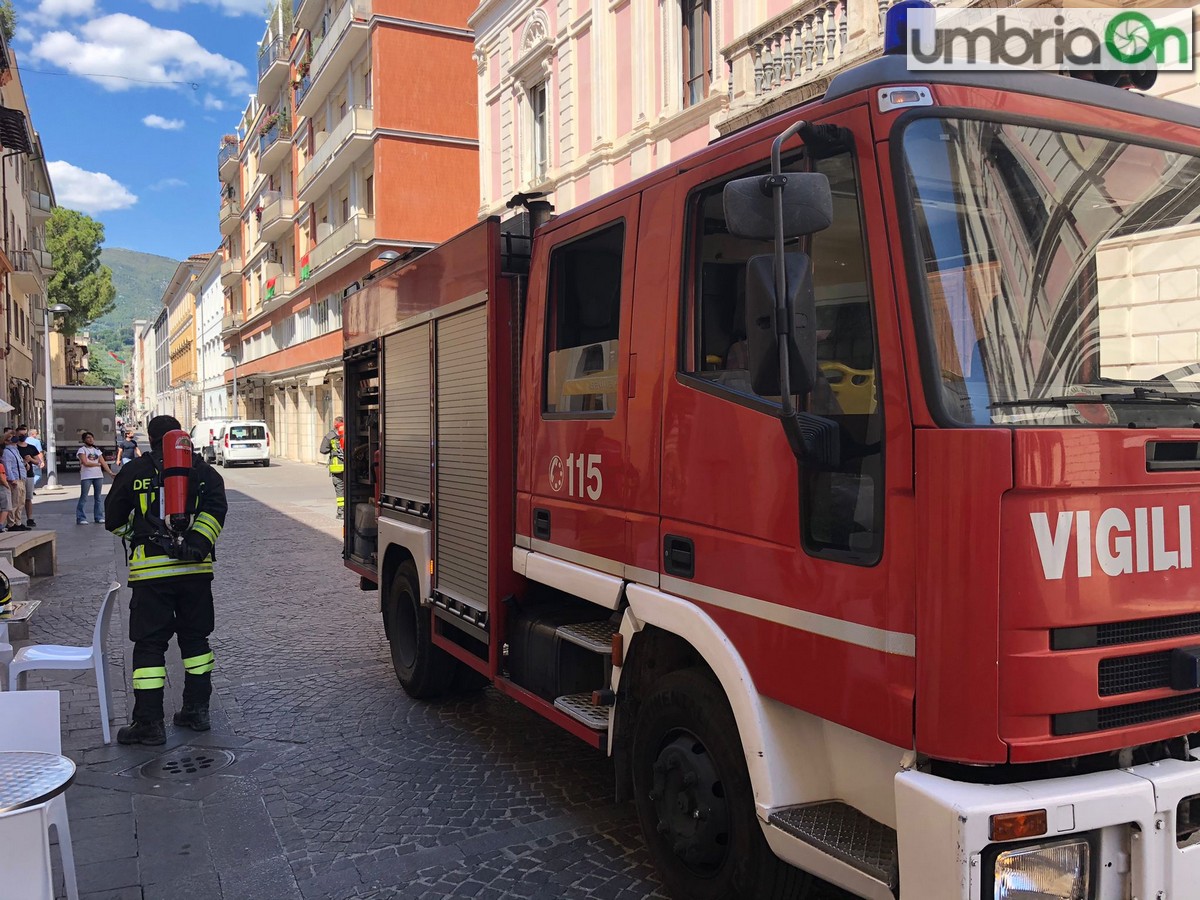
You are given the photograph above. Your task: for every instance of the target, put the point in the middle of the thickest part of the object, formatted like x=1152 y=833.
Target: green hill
x=140 y=279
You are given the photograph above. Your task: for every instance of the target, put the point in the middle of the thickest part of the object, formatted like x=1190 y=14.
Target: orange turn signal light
x=1014 y=826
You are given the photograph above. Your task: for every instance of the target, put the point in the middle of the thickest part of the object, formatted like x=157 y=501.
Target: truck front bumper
x=1131 y=816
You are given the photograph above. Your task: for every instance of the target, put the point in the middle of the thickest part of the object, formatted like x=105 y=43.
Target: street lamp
x=51 y=459
x=227 y=354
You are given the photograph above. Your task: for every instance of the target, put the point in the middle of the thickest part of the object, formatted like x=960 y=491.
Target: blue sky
x=140 y=157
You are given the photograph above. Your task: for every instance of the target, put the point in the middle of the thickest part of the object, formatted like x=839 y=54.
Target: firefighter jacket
x=133 y=511
x=331 y=444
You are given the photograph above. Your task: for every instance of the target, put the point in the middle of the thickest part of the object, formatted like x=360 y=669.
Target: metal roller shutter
x=406 y=415
x=461 y=511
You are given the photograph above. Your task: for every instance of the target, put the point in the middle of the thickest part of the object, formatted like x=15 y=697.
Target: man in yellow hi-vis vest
x=172 y=583
x=333 y=445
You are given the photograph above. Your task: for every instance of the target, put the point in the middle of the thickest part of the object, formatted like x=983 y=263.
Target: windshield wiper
x=1138 y=395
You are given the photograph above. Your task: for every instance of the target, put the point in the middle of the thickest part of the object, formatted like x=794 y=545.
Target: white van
x=204 y=437
x=243 y=441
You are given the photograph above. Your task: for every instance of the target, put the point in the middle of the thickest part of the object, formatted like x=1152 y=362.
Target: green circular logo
x=1131 y=37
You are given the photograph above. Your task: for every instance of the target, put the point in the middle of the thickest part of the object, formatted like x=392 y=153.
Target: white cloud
x=229 y=7
x=156 y=121
x=211 y=102
x=89 y=192
x=130 y=50
x=165 y=183
x=50 y=11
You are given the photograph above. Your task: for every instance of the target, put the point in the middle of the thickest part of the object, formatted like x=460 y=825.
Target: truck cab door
x=575 y=387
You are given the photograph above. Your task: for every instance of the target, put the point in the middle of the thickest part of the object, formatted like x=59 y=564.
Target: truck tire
x=694 y=800
x=423 y=670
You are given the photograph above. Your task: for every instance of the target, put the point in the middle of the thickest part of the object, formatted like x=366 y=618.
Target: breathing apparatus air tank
x=177 y=470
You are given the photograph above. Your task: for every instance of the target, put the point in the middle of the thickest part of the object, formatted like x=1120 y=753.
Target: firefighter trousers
x=160 y=608
x=339 y=489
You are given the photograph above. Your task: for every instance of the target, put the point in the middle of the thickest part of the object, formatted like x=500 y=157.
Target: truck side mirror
x=750 y=205
x=761 y=336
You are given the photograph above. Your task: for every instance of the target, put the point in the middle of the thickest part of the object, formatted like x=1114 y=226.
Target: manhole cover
x=187 y=763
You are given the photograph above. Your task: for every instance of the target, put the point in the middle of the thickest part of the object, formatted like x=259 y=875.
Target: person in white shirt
x=92 y=466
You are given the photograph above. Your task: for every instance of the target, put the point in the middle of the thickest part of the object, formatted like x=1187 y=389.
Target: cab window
x=583 y=325
x=842 y=510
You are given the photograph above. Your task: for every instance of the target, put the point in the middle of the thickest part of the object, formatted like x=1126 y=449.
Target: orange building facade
x=361 y=140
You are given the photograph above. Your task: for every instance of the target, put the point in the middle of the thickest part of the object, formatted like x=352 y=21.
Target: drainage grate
x=187 y=763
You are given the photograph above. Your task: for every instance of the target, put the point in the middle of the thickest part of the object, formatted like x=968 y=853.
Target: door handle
x=541 y=524
x=679 y=556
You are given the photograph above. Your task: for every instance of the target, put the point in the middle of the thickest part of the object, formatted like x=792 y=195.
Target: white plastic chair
x=55 y=656
x=6 y=655
x=25 y=862
x=31 y=721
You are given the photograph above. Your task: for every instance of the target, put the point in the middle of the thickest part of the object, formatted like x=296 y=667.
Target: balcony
x=272 y=69
x=230 y=216
x=227 y=162
x=278 y=288
x=230 y=323
x=343 y=241
x=791 y=58
x=40 y=206
x=30 y=270
x=344 y=36
x=231 y=271
x=301 y=91
x=273 y=146
x=337 y=151
x=276 y=218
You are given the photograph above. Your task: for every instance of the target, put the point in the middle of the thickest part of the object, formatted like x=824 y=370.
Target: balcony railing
x=31 y=260
x=278 y=287
x=282 y=129
x=40 y=204
x=277 y=212
x=302 y=90
x=226 y=154
x=359 y=120
x=351 y=10
x=231 y=212
x=231 y=322
x=268 y=55
x=806 y=43
x=357 y=229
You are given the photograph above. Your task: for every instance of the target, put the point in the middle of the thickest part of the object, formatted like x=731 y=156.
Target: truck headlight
x=1058 y=871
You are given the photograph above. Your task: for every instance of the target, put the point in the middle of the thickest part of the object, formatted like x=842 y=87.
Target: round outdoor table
x=27 y=779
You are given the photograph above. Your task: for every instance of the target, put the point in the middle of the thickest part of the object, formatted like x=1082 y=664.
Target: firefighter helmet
x=5 y=593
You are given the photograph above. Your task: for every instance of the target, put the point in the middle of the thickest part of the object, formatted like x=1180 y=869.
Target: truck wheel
x=694 y=799
x=424 y=671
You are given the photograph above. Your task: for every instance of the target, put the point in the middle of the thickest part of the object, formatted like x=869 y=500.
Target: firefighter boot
x=193 y=716
x=143 y=732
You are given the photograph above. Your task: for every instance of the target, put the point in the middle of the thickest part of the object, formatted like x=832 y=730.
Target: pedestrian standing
x=333 y=446
x=92 y=466
x=14 y=474
x=35 y=441
x=172 y=594
x=31 y=456
x=6 y=504
x=128 y=449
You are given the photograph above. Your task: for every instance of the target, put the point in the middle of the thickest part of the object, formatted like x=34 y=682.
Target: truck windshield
x=1059 y=274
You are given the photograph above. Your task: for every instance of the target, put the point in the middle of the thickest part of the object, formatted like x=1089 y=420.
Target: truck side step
x=845 y=833
x=594 y=636
x=580 y=708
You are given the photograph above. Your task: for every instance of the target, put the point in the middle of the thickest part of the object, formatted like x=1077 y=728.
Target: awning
x=14 y=131
x=6 y=407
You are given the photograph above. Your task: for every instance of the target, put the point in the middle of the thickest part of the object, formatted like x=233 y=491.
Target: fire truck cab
x=886 y=576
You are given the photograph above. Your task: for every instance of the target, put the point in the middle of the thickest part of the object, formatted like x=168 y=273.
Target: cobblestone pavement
x=320 y=778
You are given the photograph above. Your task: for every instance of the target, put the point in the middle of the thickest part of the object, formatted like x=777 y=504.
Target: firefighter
x=333 y=445
x=171 y=574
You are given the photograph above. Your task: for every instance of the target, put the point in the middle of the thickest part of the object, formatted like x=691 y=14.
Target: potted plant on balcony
x=302 y=68
x=270 y=121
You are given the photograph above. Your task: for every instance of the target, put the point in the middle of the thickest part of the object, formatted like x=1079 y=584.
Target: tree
x=79 y=281
x=101 y=370
x=8 y=20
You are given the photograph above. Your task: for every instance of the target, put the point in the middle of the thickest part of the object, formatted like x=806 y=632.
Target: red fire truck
x=839 y=480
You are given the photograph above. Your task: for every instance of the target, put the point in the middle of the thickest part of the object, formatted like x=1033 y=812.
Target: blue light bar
x=895 y=26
